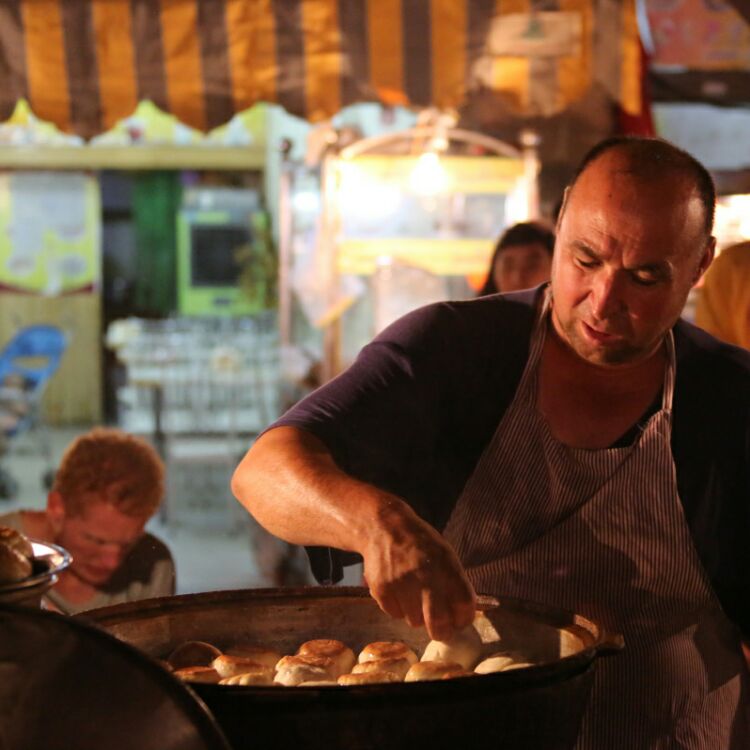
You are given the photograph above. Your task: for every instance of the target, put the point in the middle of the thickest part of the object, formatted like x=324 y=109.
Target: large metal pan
x=538 y=707
x=66 y=684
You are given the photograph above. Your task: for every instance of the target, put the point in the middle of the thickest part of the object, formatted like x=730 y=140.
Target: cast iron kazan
x=539 y=707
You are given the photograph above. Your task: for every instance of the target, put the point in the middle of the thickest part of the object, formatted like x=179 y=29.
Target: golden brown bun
x=399 y=667
x=259 y=676
x=292 y=670
x=434 y=670
x=14 y=566
x=387 y=650
x=198 y=674
x=268 y=657
x=368 y=678
x=15 y=539
x=193 y=654
x=464 y=648
x=341 y=655
x=229 y=666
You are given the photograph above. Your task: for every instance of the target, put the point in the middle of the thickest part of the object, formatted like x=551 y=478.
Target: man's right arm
x=290 y=483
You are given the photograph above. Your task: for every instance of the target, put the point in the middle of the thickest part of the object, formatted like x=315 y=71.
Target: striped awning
x=84 y=64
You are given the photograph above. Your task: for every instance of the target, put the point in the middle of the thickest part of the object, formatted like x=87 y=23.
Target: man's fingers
x=388 y=603
x=463 y=614
x=410 y=599
x=448 y=610
x=438 y=617
x=464 y=606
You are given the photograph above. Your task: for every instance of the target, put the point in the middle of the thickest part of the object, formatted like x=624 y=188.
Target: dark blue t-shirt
x=414 y=412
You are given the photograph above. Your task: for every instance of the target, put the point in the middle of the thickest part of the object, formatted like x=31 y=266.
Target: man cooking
x=576 y=445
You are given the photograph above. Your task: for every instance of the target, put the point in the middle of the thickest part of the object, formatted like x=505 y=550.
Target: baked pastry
x=340 y=654
x=399 y=667
x=15 y=539
x=268 y=657
x=16 y=556
x=198 y=674
x=434 y=670
x=259 y=676
x=292 y=670
x=193 y=654
x=14 y=565
x=387 y=650
x=493 y=663
x=368 y=678
x=464 y=648
x=229 y=666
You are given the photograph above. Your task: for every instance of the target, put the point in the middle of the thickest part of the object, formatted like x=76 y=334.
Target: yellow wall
x=74 y=394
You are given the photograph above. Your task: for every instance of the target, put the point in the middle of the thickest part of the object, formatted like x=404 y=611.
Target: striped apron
x=602 y=533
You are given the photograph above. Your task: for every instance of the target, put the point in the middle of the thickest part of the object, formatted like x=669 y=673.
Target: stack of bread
x=324 y=662
x=16 y=556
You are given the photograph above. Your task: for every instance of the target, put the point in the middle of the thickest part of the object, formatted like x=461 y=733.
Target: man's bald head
x=653 y=159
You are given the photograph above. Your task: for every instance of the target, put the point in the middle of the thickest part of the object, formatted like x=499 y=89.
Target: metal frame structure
x=421 y=138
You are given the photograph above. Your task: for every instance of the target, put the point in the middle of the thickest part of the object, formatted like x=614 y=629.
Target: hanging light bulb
x=428 y=176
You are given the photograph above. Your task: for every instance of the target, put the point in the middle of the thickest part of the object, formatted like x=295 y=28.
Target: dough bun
x=464 y=648
x=493 y=663
x=340 y=654
x=292 y=670
x=434 y=670
x=193 y=654
x=368 y=678
x=229 y=666
x=399 y=667
x=198 y=674
x=14 y=565
x=387 y=650
x=268 y=657
x=259 y=676
x=15 y=539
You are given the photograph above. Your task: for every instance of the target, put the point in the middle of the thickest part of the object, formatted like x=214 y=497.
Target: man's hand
x=413 y=573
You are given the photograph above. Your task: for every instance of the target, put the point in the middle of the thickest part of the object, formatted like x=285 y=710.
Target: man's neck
x=587 y=406
x=618 y=380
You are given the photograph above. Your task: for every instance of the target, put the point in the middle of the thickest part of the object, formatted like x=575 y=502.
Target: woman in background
x=522 y=259
x=723 y=307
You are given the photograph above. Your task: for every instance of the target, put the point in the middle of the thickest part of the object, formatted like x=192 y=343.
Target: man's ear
x=563 y=203
x=55 y=510
x=706 y=259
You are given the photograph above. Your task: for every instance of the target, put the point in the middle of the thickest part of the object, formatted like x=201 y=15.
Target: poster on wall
x=49 y=233
x=698 y=35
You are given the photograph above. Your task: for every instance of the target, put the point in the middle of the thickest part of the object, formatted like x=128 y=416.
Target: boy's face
x=99 y=539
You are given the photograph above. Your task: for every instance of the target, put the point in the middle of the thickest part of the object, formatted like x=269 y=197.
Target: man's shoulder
x=152 y=548
x=704 y=357
x=498 y=316
x=148 y=561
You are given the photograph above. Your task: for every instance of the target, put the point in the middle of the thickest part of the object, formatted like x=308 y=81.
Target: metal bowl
x=49 y=561
x=537 y=707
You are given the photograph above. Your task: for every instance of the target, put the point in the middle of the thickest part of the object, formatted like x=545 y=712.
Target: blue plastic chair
x=33 y=356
